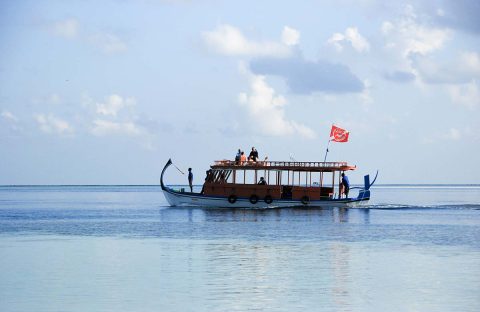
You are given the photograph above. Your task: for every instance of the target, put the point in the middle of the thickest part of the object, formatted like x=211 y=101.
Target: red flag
x=338 y=134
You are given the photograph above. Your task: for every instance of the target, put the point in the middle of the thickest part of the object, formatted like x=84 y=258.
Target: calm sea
x=121 y=248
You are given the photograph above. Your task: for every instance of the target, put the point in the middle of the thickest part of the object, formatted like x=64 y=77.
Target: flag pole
x=326 y=152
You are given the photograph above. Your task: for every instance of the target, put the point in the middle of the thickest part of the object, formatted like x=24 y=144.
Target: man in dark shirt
x=237 y=157
x=253 y=154
x=190 y=179
x=346 y=184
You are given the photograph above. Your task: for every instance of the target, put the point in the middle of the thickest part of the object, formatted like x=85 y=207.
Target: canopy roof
x=309 y=166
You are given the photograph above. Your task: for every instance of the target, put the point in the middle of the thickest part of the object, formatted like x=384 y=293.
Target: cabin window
x=286 y=177
x=221 y=176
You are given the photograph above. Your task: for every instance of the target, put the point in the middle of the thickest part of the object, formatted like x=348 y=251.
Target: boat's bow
x=169 y=162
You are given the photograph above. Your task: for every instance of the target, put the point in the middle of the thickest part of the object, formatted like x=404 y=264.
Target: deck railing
x=297 y=164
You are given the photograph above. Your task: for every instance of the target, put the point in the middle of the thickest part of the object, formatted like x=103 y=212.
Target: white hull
x=175 y=198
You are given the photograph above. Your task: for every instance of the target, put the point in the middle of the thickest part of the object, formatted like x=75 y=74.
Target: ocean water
x=121 y=248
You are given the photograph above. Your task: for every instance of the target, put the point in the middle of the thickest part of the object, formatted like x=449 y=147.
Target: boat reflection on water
x=330 y=215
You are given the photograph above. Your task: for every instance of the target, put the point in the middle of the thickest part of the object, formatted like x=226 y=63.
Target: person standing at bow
x=190 y=179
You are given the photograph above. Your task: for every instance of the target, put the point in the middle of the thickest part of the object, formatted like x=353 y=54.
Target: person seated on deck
x=237 y=157
x=243 y=158
x=253 y=155
x=262 y=181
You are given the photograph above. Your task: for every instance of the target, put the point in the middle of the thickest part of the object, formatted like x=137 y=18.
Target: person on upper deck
x=345 y=184
x=243 y=157
x=237 y=157
x=253 y=155
x=262 y=181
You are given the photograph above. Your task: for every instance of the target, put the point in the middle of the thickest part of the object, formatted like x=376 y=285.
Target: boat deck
x=309 y=166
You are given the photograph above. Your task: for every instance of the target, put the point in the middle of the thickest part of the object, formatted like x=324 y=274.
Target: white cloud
x=290 y=36
x=462 y=70
x=386 y=28
x=113 y=104
x=366 y=95
x=116 y=115
x=105 y=127
x=470 y=61
x=68 y=28
x=351 y=35
x=304 y=76
x=408 y=36
x=266 y=110
x=51 y=124
x=453 y=134
x=9 y=116
x=108 y=43
x=467 y=94
x=228 y=40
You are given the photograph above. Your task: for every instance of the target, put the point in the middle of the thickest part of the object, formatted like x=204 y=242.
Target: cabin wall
x=275 y=191
x=313 y=193
x=242 y=190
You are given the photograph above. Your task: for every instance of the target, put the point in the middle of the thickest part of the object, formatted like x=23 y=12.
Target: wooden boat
x=232 y=184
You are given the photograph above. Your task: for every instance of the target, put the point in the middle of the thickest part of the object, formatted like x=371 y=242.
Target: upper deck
x=304 y=166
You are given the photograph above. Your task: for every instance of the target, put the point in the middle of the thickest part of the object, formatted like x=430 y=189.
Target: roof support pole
x=333 y=181
x=339 y=185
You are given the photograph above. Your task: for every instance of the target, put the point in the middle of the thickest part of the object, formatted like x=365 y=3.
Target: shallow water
x=111 y=248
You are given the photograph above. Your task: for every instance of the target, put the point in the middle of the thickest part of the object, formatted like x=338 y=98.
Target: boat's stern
x=364 y=193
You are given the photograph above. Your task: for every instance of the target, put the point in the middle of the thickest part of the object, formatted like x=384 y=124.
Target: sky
x=105 y=92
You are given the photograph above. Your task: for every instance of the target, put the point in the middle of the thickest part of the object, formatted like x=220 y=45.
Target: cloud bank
x=52 y=124
x=352 y=37
x=229 y=40
x=113 y=104
x=267 y=110
x=462 y=15
x=305 y=77
x=106 y=42
x=106 y=127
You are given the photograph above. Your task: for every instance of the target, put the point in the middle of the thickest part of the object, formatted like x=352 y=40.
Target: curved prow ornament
x=169 y=162
x=367 y=181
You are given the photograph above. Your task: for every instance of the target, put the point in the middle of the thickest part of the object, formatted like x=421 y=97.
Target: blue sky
x=104 y=92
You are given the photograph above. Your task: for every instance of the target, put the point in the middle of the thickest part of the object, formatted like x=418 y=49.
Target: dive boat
x=234 y=184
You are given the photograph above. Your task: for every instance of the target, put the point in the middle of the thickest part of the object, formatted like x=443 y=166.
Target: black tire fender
x=305 y=200
x=232 y=199
x=268 y=199
x=254 y=199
